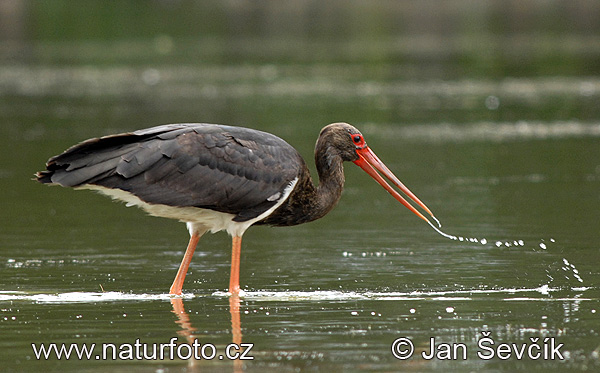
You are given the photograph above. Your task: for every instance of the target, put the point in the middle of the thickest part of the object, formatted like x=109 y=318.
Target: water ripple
x=290 y=296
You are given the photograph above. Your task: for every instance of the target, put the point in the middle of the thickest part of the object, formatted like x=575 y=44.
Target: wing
x=227 y=169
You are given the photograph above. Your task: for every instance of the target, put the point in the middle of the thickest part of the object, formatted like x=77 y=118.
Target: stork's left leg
x=234 y=278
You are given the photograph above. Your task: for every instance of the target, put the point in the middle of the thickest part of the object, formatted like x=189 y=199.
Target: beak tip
x=368 y=161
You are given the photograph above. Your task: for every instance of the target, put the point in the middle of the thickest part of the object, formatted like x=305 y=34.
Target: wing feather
x=228 y=169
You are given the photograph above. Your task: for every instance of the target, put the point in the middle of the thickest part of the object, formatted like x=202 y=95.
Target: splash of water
x=568 y=267
x=482 y=241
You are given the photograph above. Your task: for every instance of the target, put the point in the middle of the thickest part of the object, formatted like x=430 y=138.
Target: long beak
x=367 y=160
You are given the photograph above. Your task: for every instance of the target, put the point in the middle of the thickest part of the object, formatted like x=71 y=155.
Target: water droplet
x=544 y=289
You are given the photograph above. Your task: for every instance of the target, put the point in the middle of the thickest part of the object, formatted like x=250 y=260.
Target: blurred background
x=302 y=63
x=489 y=110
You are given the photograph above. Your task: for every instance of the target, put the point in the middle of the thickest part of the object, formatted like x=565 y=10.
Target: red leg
x=185 y=263
x=234 y=278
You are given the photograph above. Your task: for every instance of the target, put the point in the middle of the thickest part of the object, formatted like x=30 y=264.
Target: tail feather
x=126 y=154
x=44 y=177
x=87 y=161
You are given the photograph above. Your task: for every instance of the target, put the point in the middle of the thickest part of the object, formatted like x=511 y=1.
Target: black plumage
x=208 y=166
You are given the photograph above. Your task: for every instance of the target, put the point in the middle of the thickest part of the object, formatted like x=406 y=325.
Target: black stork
x=216 y=177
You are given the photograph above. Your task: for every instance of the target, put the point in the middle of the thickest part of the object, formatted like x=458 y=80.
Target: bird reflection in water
x=187 y=330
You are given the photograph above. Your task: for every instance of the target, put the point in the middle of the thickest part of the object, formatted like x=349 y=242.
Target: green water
x=489 y=113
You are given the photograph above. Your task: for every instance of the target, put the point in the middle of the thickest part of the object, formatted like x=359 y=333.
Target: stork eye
x=357 y=139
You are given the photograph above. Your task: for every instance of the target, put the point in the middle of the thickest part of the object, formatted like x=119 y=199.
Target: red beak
x=367 y=160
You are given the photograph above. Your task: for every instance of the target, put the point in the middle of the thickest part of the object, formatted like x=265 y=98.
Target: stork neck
x=331 y=180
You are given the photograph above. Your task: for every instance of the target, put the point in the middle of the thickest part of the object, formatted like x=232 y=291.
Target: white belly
x=198 y=220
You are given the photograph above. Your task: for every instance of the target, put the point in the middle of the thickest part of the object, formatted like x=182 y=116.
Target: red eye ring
x=358 y=140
